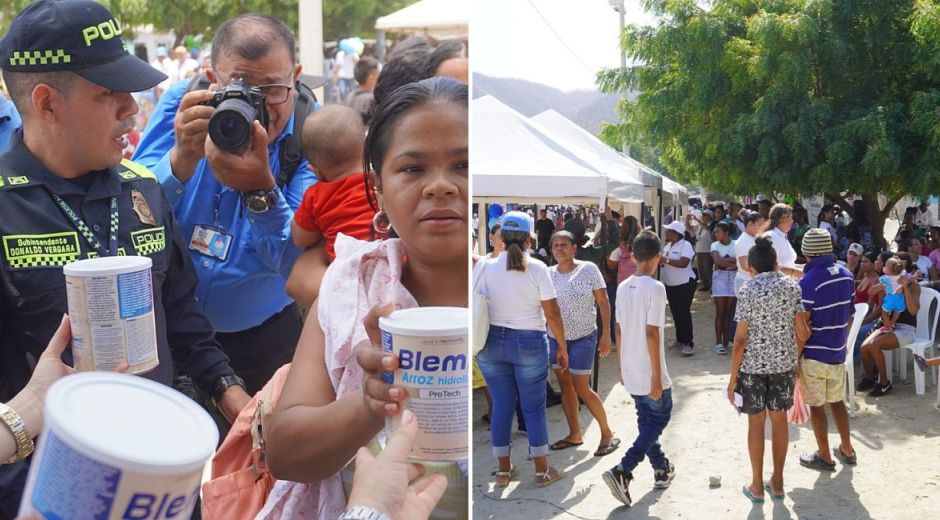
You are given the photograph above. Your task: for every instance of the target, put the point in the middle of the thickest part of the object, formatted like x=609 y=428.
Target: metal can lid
x=130 y=422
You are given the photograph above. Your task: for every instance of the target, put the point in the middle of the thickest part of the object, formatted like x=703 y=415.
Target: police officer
x=66 y=195
x=245 y=197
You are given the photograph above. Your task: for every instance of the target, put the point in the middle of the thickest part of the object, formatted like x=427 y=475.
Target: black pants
x=255 y=354
x=680 y=303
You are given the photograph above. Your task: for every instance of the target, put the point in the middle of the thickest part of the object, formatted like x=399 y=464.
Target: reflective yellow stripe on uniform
x=138 y=169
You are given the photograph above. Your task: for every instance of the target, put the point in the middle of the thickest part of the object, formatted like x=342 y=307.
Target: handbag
x=241 y=481
x=481 y=311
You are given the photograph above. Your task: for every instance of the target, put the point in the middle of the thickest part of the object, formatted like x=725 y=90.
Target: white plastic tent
x=625 y=180
x=441 y=19
x=516 y=159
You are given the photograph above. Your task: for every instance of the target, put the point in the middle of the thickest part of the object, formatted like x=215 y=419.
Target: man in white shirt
x=924 y=218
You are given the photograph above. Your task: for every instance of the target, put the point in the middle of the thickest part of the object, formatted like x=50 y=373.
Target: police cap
x=79 y=36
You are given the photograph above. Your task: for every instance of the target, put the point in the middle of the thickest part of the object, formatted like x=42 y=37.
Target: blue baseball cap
x=80 y=36
x=516 y=221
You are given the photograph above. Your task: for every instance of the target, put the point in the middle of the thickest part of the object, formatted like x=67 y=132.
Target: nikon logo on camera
x=103 y=31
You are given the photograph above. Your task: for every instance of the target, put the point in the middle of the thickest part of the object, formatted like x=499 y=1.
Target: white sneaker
x=720 y=349
x=675 y=344
x=687 y=350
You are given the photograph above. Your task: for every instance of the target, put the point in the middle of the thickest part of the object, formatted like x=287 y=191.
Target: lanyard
x=83 y=228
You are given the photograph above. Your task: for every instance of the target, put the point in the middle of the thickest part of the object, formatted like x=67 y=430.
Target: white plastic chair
x=927 y=318
x=861 y=309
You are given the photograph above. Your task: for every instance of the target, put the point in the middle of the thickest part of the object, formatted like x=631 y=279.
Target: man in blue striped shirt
x=828 y=297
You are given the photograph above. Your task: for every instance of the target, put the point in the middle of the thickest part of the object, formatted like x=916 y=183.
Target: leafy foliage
x=341 y=18
x=789 y=96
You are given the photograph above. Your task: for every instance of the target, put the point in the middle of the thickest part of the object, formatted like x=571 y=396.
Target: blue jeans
x=515 y=363
x=652 y=418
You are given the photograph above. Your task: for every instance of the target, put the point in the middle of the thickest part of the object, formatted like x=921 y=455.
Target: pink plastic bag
x=799 y=412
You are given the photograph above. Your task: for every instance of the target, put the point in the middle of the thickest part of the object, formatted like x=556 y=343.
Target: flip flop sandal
x=545 y=478
x=845 y=459
x=508 y=474
x=813 y=461
x=776 y=496
x=608 y=448
x=564 y=444
x=750 y=496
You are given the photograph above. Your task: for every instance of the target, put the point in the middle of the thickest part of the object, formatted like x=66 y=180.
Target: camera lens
x=230 y=124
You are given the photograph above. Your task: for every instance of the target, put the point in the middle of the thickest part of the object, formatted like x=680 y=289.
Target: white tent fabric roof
x=516 y=159
x=624 y=179
x=439 y=18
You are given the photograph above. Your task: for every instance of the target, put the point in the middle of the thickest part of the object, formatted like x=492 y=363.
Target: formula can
x=118 y=447
x=431 y=345
x=111 y=310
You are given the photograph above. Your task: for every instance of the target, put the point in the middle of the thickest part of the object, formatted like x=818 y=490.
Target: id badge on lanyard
x=211 y=242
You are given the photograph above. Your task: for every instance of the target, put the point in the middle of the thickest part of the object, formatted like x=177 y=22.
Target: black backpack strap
x=200 y=82
x=291 y=152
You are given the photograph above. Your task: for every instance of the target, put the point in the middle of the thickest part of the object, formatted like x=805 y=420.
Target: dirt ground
x=897 y=438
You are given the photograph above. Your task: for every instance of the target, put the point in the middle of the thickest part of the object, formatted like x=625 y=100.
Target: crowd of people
x=784 y=294
x=369 y=218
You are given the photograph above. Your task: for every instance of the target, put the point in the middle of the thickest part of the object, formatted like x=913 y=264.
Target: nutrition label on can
x=70 y=482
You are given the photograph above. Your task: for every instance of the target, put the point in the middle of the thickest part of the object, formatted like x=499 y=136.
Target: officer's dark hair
x=417 y=44
x=450 y=50
x=252 y=36
x=364 y=67
x=21 y=84
x=762 y=256
x=645 y=246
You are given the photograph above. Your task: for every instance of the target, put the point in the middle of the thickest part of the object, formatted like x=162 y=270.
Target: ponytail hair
x=777 y=213
x=515 y=254
x=762 y=255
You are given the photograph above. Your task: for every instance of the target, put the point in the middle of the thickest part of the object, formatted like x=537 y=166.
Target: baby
x=894 y=303
x=332 y=140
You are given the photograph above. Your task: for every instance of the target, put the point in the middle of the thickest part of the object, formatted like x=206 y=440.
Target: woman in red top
x=867 y=276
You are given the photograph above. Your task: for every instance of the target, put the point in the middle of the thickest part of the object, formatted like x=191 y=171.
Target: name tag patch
x=49 y=250
x=211 y=242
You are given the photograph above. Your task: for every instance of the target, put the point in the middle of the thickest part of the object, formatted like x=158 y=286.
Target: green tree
x=343 y=18
x=789 y=96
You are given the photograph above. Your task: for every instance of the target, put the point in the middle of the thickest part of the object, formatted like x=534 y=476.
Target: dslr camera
x=237 y=106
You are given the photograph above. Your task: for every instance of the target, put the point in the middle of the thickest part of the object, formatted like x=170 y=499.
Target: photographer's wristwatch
x=260 y=201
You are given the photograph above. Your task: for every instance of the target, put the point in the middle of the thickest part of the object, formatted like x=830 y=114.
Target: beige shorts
x=822 y=383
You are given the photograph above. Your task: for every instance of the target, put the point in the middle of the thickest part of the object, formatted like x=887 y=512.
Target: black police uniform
x=38 y=238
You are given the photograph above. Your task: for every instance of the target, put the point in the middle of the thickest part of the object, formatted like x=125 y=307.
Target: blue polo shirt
x=247 y=287
x=829 y=295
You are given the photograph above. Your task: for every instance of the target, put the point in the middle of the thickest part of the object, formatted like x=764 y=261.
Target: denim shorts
x=581 y=353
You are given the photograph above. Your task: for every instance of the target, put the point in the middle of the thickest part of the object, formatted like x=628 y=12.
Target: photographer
x=220 y=189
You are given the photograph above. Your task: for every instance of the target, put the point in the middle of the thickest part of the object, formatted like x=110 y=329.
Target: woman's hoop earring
x=381 y=223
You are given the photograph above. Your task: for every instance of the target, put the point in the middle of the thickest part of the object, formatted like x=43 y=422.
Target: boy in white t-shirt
x=641 y=316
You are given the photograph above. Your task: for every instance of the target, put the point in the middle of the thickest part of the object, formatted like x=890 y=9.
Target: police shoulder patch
x=132 y=171
x=10 y=182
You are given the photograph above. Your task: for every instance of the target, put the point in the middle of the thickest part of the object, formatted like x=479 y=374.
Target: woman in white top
x=753 y=223
x=514 y=360
x=778 y=225
x=726 y=267
x=580 y=285
x=679 y=279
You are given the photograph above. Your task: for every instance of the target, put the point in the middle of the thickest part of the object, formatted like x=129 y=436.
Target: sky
x=560 y=43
